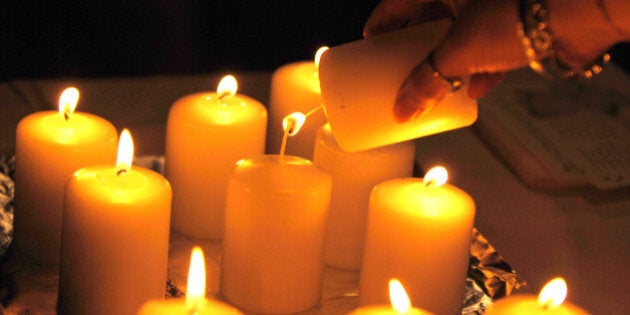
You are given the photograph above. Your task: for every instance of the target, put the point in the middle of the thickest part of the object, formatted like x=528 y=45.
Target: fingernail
x=418 y=94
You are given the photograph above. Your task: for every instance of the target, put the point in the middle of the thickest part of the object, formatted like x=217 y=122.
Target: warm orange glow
x=227 y=87
x=318 y=55
x=398 y=297
x=125 y=152
x=196 y=290
x=553 y=293
x=436 y=176
x=292 y=123
x=68 y=102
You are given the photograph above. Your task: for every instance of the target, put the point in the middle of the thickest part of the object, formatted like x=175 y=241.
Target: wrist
x=582 y=30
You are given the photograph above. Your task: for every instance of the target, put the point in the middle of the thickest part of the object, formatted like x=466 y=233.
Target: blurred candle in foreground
x=273 y=248
x=419 y=231
x=354 y=175
x=50 y=146
x=295 y=88
x=115 y=238
x=206 y=134
x=360 y=81
x=400 y=303
x=195 y=302
x=550 y=301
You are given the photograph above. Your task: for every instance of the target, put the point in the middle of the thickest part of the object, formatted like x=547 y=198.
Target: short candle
x=195 y=302
x=419 y=231
x=550 y=301
x=206 y=134
x=400 y=303
x=50 y=146
x=115 y=238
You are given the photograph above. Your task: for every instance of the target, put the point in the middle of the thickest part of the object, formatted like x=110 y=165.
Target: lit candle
x=273 y=247
x=295 y=88
x=50 y=146
x=400 y=303
x=115 y=237
x=419 y=231
x=195 y=302
x=550 y=301
x=206 y=134
x=354 y=175
x=360 y=81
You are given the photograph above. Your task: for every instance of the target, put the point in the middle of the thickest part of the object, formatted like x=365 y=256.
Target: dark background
x=129 y=38
x=46 y=39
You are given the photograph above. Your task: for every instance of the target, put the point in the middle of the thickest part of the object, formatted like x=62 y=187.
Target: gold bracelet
x=537 y=38
x=454 y=83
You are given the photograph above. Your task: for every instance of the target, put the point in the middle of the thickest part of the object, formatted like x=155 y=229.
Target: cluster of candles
x=281 y=217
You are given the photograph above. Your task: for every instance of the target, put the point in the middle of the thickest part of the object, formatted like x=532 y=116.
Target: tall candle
x=195 y=301
x=295 y=88
x=419 y=231
x=400 y=303
x=50 y=146
x=360 y=81
x=274 y=238
x=206 y=134
x=550 y=301
x=354 y=175
x=115 y=237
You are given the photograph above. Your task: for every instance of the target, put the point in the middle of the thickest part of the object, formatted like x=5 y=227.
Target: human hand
x=486 y=40
x=483 y=43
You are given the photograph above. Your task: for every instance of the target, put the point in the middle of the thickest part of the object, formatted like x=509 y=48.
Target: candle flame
x=125 y=152
x=437 y=176
x=398 y=297
x=553 y=293
x=292 y=123
x=227 y=87
x=318 y=55
x=196 y=288
x=68 y=102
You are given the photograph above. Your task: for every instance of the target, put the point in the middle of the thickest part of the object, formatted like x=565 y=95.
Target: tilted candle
x=50 y=146
x=354 y=175
x=206 y=134
x=295 y=88
x=360 y=81
x=195 y=302
x=115 y=237
x=419 y=231
x=276 y=210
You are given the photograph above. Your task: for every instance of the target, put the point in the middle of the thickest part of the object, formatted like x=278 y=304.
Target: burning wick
x=291 y=124
x=125 y=153
x=227 y=87
x=68 y=102
x=436 y=176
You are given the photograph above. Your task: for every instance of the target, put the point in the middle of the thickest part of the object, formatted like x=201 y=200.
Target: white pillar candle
x=206 y=134
x=295 y=88
x=360 y=80
x=419 y=231
x=115 y=237
x=550 y=301
x=50 y=146
x=195 y=302
x=273 y=247
x=399 y=300
x=353 y=176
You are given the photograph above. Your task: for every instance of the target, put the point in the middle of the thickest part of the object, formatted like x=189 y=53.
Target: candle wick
x=283 y=146
x=314 y=110
x=430 y=182
x=66 y=115
x=121 y=171
x=224 y=95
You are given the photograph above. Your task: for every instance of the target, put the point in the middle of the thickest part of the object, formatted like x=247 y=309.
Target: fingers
x=482 y=43
x=392 y=15
x=481 y=84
